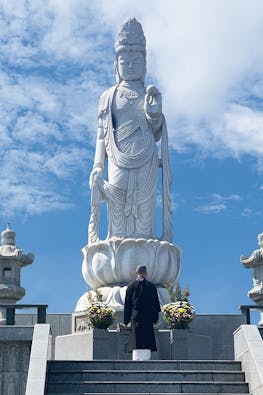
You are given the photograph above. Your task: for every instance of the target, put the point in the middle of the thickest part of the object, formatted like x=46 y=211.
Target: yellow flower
x=181 y=310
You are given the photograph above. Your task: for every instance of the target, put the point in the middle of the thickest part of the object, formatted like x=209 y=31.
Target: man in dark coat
x=142 y=309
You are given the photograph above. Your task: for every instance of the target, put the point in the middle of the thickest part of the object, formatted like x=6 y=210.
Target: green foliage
x=177 y=294
x=95 y=298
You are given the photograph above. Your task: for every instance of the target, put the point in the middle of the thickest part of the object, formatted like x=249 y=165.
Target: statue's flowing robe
x=130 y=191
x=142 y=309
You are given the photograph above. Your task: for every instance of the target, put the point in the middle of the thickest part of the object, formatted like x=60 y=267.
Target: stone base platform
x=209 y=337
x=110 y=265
x=114 y=344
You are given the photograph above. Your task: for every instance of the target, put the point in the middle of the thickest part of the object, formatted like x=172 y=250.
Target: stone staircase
x=122 y=377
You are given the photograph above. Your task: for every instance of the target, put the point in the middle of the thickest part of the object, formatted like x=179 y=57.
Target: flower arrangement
x=99 y=314
x=179 y=313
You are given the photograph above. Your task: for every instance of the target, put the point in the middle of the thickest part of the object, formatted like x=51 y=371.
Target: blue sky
x=206 y=57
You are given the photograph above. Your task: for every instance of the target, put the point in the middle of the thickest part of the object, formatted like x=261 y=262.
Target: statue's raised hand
x=153 y=102
x=243 y=257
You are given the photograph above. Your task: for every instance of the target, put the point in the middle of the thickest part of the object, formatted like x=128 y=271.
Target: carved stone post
x=255 y=262
x=11 y=261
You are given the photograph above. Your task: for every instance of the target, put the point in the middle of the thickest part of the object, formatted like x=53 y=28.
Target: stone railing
x=245 y=309
x=248 y=346
x=11 y=308
x=40 y=354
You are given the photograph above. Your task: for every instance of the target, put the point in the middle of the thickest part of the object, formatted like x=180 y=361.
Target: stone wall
x=15 y=346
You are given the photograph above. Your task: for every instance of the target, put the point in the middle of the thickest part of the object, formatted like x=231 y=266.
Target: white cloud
x=217 y=203
x=17 y=198
x=13 y=95
x=194 y=47
x=195 y=52
x=219 y=197
x=212 y=208
x=25 y=186
x=248 y=212
x=241 y=131
x=57 y=58
x=18 y=165
x=66 y=161
x=260 y=165
x=47 y=107
x=32 y=127
x=5 y=140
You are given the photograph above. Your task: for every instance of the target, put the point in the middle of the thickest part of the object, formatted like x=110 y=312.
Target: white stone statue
x=255 y=262
x=130 y=124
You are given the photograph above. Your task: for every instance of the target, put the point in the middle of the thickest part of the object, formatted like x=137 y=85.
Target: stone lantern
x=255 y=262
x=11 y=261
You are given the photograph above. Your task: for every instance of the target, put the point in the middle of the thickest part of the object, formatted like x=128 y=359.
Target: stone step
x=146 y=387
x=121 y=377
x=143 y=393
x=145 y=375
x=145 y=365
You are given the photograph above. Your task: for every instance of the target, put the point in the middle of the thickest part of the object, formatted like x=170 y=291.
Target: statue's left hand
x=153 y=102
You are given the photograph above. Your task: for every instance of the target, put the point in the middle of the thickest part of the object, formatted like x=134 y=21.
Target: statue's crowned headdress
x=130 y=36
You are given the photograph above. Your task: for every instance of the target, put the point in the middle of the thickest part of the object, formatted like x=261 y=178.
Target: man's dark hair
x=141 y=269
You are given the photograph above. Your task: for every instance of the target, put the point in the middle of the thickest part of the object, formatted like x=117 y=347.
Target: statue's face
x=131 y=65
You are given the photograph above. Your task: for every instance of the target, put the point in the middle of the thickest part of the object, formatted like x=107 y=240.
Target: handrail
x=11 y=308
